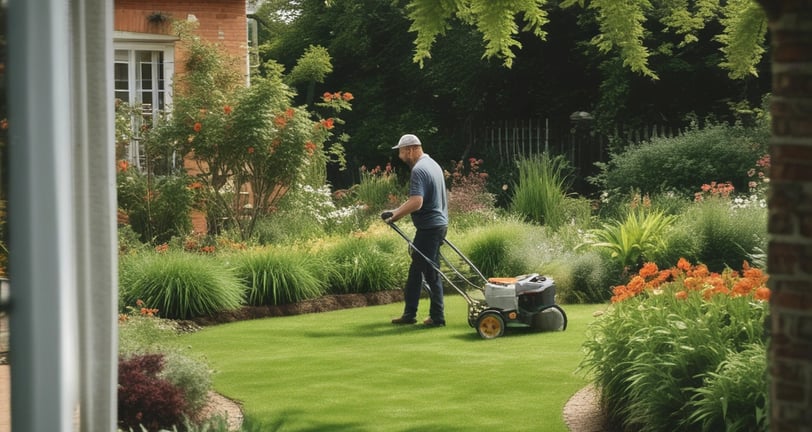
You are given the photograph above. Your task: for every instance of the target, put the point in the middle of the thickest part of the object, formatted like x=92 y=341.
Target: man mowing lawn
x=428 y=205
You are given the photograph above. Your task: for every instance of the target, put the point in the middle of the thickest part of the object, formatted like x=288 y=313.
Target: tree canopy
x=624 y=27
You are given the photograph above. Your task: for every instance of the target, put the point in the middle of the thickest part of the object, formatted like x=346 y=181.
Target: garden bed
x=321 y=304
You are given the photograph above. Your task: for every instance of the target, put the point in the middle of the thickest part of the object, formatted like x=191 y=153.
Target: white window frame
x=133 y=42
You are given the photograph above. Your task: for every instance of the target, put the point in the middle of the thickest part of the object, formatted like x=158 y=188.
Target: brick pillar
x=790 y=216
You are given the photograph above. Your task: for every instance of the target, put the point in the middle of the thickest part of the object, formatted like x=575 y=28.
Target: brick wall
x=790 y=216
x=221 y=21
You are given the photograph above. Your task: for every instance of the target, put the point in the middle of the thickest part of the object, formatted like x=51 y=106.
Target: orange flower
x=327 y=96
x=683 y=264
x=763 y=294
x=681 y=295
x=310 y=148
x=289 y=113
x=227 y=109
x=648 y=269
x=122 y=165
x=280 y=121
x=328 y=123
x=197 y=127
x=348 y=96
x=195 y=185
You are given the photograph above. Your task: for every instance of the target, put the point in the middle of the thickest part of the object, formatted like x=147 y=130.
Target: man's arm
x=413 y=204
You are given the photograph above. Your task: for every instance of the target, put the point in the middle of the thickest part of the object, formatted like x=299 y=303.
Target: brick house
x=147 y=55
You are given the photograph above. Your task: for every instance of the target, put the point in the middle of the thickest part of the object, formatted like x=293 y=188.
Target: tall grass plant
x=540 y=193
x=180 y=285
x=277 y=275
x=367 y=263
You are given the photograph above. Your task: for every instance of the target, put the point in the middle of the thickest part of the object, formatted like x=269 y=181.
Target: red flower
x=197 y=126
x=227 y=109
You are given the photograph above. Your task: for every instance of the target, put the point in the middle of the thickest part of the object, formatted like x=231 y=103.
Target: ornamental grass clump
x=667 y=345
x=275 y=276
x=541 y=191
x=181 y=285
x=364 y=264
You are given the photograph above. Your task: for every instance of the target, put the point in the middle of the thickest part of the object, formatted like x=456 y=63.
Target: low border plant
x=669 y=335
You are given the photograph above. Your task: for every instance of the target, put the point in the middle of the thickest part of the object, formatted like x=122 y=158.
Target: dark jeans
x=427 y=241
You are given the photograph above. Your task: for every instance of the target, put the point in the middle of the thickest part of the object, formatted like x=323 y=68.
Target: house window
x=142 y=78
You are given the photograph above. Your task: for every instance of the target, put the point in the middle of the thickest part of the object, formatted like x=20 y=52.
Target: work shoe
x=428 y=322
x=404 y=320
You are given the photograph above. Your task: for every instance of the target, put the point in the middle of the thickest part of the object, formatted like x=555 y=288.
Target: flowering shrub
x=247 y=140
x=468 y=188
x=378 y=188
x=759 y=180
x=686 y=278
x=316 y=204
x=667 y=351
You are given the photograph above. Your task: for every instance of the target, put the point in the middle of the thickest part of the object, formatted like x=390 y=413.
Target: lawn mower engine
x=527 y=299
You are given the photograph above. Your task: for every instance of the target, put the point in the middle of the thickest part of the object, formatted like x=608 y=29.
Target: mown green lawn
x=351 y=370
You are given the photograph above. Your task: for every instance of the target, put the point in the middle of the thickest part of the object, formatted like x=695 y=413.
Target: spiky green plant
x=367 y=264
x=180 y=285
x=638 y=236
x=541 y=190
x=275 y=275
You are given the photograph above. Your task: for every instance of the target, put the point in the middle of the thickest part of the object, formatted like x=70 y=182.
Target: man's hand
x=387 y=216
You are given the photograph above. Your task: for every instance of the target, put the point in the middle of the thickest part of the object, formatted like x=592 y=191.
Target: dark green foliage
x=684 y=163
x=180 y=285
x=157 y=206
x=274 y=276
x=367 y=264
x=144 y=398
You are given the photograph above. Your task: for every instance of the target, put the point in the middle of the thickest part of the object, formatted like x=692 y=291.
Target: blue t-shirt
x=427 y=180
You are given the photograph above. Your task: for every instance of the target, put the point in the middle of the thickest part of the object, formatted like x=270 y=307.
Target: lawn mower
x=525 y=300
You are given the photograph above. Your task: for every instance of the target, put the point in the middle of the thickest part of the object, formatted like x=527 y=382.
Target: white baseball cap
x=407 y=140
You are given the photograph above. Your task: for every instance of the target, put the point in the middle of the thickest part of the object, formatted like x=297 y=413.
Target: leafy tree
x=251 y=139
